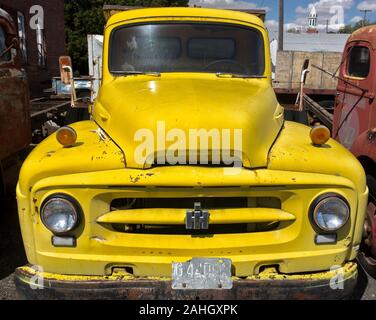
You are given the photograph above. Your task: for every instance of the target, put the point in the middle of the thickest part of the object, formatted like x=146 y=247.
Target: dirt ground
x=12 y=253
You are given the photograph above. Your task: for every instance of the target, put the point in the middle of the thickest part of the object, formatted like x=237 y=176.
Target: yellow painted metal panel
x=347 y=271
x=291 y=246
x=183 y=13
x=177 y=216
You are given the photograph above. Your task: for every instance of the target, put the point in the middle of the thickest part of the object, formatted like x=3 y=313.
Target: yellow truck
x=187 y=182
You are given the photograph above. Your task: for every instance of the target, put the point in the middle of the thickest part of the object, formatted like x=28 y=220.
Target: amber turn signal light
x=66 y=136
x=320 y=135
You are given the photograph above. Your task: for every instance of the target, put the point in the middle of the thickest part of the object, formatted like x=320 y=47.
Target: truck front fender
x=365 y=145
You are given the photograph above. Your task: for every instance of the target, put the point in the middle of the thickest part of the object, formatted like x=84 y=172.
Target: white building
x=312 y=18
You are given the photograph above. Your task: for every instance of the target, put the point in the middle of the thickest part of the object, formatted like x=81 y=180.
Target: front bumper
x=329 y=285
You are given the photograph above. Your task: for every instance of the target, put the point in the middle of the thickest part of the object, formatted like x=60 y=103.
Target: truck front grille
x=166 y=216
x=239 y=228
x=188 y=203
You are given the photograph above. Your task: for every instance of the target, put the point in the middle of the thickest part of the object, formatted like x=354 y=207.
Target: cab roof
x=167 y=12
x=366 y=34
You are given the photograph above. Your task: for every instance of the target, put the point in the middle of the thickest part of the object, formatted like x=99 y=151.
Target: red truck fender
x=364 y=147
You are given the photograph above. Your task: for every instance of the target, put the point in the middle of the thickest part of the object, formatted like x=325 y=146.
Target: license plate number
x=202 y=274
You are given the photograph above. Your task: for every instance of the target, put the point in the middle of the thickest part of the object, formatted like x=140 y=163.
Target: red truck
x=15 y=128
x=354 y=122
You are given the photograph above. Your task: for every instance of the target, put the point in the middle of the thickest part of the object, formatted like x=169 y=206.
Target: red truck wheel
x=367 y=257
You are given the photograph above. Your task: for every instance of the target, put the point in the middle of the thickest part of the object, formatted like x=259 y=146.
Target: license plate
x=202 y=274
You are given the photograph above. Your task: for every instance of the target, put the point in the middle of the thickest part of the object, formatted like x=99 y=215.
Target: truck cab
x=354 y=122
x=15 y=128
x=188 y=183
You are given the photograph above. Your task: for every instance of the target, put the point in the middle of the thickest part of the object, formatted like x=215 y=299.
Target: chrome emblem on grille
x=197 y=219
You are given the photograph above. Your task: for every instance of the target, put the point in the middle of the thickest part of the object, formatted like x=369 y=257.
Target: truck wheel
x=367 y=256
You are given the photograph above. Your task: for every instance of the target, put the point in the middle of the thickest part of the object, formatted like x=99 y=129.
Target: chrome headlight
x=330 y=212
x=60 y=214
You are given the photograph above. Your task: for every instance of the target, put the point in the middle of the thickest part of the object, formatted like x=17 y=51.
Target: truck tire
x=366 y=259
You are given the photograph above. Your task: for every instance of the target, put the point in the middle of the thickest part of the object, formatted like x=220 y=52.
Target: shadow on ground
x=362 y=284
x=12 y=254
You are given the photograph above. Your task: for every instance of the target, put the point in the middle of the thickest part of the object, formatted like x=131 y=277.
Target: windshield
x=191 y=47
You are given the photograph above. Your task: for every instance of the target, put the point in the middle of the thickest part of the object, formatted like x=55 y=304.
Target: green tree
x=350 y=28
x=293 y=30
x=83 y=17
x=346 y=29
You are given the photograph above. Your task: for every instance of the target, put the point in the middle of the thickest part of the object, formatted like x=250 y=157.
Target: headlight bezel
x=75 y=205
x=314 y=208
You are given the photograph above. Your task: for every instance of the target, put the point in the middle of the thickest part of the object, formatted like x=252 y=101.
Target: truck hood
x=136 y=108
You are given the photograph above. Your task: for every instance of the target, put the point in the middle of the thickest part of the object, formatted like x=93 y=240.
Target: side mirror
x=303 y=79
x=305 y=71
x=66 y=70
x=67 y=77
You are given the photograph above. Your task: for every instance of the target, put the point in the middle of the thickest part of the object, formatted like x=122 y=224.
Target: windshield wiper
x=136 y=73
x=235 y=75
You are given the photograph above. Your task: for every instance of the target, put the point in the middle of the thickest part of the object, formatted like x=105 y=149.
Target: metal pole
x=281 y=24
x=365 y=15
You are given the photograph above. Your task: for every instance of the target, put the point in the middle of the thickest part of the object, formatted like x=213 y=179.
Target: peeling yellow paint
x=347 y=271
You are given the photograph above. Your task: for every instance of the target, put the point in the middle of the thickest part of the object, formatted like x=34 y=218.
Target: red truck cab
x=355 y=119
x=15 y=127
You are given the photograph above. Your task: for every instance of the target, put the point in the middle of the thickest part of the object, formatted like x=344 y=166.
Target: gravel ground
x=7 y=289
x=12 y=253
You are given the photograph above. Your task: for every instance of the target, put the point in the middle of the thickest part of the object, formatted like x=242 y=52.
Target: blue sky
x=335 y=12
